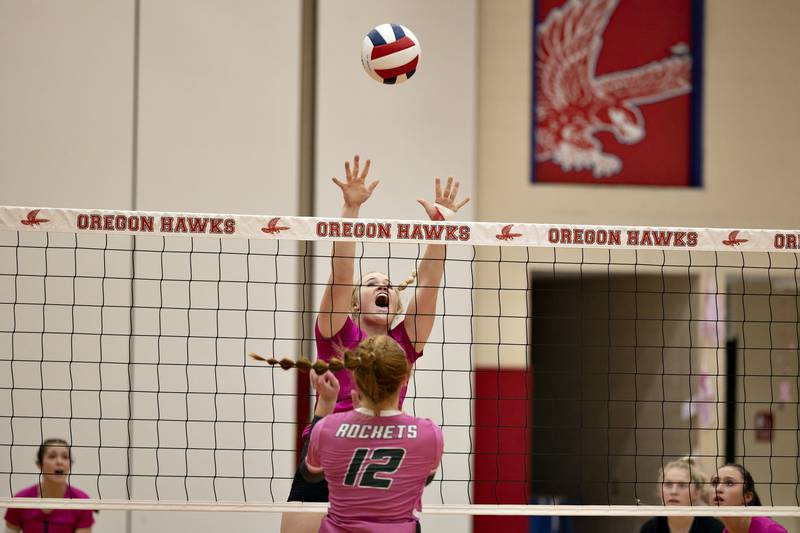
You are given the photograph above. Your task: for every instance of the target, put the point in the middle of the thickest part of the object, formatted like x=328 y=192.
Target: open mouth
x=59 y=472
x=382 y=300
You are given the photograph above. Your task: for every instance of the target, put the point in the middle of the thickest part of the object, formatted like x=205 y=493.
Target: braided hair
x=378 y=363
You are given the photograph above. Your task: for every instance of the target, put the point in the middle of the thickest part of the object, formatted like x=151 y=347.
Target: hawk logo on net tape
x=574 y=104
x=506 y=235
x=33 y=220
x=733 y=239
x=272 y=226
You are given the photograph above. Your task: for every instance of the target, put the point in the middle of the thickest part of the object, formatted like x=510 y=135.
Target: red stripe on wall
x=502 y=446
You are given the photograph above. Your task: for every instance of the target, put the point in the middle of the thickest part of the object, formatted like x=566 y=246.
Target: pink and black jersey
x=376 y=468
x=348 y=338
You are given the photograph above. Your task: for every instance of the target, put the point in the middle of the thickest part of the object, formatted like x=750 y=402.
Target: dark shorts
x=303 y=491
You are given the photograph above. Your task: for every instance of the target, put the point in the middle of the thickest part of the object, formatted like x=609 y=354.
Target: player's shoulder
x=424 y=424
x=341 y=416
x=28 y=492
x=334 y=420
x=76 y=493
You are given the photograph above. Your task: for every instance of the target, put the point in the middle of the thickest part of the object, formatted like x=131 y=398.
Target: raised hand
x=328 y=387
x=447 y=198
x=326 y=384
x=355 y=190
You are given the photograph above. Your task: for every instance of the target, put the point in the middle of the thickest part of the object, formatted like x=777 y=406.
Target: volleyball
x=390 y=53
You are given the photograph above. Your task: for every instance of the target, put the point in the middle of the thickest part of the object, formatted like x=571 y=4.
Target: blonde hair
x=378 y=363
x=697 y=478
x=400 y=288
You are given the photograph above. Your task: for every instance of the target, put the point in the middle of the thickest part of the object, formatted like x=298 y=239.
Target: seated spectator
x=54 y=461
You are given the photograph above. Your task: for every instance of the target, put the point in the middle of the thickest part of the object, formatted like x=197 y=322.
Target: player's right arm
x=336 y=300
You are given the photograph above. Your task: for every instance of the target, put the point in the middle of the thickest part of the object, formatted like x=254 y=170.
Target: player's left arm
x=310 y=468
x=438 y=450
x=328 y=387
x=421 y=312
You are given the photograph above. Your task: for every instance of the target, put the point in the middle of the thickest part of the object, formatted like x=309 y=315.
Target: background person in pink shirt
x=375 y=458
x=351 y=310
x=735 y=486
x=54 y=460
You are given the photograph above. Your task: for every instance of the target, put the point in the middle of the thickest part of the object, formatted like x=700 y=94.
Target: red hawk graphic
x=506 y=235
x=572 y=104
x=32 y=220
x=273 y=227
x=733 y=239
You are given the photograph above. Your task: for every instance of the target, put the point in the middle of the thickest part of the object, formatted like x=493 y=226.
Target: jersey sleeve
x=13 y=517
x=347 y=335
x=774 y=527
x=400 y=334
x=85 y=519
x=313 y=462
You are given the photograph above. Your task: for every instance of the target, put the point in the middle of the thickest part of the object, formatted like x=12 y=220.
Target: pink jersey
x=762 y=524
x=56 y=521
x=347 y=338
x=376 y=467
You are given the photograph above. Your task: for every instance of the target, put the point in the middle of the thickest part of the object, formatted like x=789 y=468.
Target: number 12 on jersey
x=388 y=460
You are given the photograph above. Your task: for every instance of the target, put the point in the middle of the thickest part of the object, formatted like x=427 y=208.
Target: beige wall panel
x=66 y=103
x=219 y=106
x=414 y=131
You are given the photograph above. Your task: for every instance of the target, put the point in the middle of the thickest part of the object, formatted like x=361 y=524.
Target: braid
x=408 y=281
x=303 y=364
x=351 y=360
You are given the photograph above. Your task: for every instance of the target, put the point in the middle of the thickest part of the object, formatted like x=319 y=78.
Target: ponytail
x=303 y=364
x=408 y=281
x=379 y=366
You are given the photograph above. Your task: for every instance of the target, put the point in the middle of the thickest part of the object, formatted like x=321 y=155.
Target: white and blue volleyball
x=390 y=53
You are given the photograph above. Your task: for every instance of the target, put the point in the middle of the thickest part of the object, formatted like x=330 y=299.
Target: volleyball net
x=567 y=363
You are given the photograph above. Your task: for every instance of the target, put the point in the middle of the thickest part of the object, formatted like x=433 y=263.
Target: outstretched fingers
x=429 y=209
x=447 y=189
x=363 y=175
x=454 y=191
x=355 y=166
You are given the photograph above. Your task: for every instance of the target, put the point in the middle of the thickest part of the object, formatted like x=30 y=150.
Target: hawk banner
x=617 y=92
